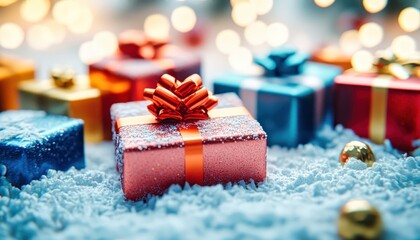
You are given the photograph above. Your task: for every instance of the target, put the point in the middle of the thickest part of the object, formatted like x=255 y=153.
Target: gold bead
x=63 y=78
x=358 y=150
x=359 y=220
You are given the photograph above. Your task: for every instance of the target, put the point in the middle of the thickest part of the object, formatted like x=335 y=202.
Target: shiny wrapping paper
x=151 y=157
x=379 y=107
x=290 y=108
x=12 y=71
x=79 y=101
x=32 y=142
x=123 y=79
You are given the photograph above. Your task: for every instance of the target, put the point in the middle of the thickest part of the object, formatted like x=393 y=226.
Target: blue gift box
x=291 y=100
x=32 y=142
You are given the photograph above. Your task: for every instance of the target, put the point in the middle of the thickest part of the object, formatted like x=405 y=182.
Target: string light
x=324 y=3
x=370 y=34
x=227 y=41
x=362 y=61
x=403 y=46
x=156 y=26
x=183 y=19
x=262 y=6
x=409 y=19
x=11 y=35
x=240 y=59
x=243 y=14
x=277 y=34
x=349 y=42
x=255 y=33
x=34 y=10
x=374 y=6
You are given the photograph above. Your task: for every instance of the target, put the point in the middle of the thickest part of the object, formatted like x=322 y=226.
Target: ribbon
x=282 y=62
x=175 y=106
x=396 y=67
x=378 y=103
x=136 y=44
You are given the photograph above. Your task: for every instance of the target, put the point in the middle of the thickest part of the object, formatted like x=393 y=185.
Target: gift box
x=76 y=100
x=139 y=65
x=32 y=142
x=12 y=71
x=204 y=146
x=291 y=101
x=333 y=56
x=379 y=107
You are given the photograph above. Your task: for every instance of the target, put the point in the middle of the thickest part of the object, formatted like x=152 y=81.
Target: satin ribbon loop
x=399 y=68
x=136 y=44
x=282 y=62
x=186 y=100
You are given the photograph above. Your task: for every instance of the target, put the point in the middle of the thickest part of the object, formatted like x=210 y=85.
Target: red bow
x=173 y=99
x=136 y=44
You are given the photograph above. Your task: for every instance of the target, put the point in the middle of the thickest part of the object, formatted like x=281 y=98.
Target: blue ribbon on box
x=282 y=62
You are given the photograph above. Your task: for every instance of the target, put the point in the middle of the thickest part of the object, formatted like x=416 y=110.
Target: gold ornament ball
x=359 y=220
x=358 y=150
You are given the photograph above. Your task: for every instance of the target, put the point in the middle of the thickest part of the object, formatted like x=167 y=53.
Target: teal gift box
x=291 y=100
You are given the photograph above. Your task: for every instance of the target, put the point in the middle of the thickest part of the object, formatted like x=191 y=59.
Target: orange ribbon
x=136 y=44
x=183 y=101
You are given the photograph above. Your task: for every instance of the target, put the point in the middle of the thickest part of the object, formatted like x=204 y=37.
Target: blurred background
x=227 y=34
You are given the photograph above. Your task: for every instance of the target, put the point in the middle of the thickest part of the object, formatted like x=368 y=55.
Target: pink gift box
x=151 y=157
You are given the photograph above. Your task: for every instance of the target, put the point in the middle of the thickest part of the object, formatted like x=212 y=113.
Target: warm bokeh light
x=362 y=61
x=277 y=34
x=403 y=46
x=349 y=42
x=83 y=21
x=40 y=37
x=234 y=2
x=65 y=11
x=89 y=52
x=107 y=42
x=157 y=27
x=183 y=19
x=409 y=19
x=11 y=35
x=324 y=3
x=5 y=3
x=370 y=34
x=255 y=33
x=227 y=41
x=243 y=14
x=34 y=10
x=262 y=6
x=240 y=59
x=58 y=31
x=374 y=6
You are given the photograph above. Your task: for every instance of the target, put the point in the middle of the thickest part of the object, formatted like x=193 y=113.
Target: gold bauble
x=63 y=78
x=358 y=150
x=359 y=220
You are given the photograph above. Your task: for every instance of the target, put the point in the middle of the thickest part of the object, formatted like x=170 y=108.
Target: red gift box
x=228 y=146
x=124 y=77
x=379 y=107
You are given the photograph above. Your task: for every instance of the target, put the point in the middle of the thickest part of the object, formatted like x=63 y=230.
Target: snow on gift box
x=185 y=140
x=140 y=63
x=291 y=101
x=32 y=142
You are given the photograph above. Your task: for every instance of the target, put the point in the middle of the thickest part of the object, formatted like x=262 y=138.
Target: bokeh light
x=89 y=52
x=5 y=3
x=40 y=37
x=34 y=10
x=240 y=59
x=255 y=33
x=58 y=31
x=243 y=14
x=277 y=34
x=324 y=3
x=227 y=41
x=370 y=34
x=409 y=19
x=403 y=46
x=11 y=35
x=262 y=6
x=234 y=2
x=107 y=42
x=183 y=19
x=374 y=6
x=83 y=22
x=362 y=61
x=157 y=27
x=65 y=11
x=349 y=42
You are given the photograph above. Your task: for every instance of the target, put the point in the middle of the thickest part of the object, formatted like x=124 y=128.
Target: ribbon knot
x=398 y=68
x=136 y=44
x=182 y=101
x=282 y=62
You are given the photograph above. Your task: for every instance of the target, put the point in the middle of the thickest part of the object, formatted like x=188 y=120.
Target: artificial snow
x=301 y=198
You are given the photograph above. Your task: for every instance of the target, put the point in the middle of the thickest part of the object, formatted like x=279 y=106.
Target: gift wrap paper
x=80 y=101
x=12 y=71
x=32 y=142
x=151 y=157
x=291 y=108
x=379 y=107
x=123 y=79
